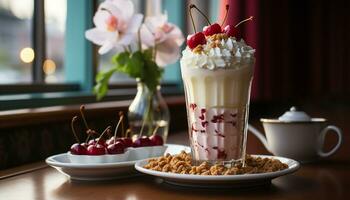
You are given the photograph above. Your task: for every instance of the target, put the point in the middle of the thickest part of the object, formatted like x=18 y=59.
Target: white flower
x=116 y=25
x=164 y=36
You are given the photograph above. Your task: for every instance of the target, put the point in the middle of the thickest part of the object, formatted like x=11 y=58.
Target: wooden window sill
x=23 y=117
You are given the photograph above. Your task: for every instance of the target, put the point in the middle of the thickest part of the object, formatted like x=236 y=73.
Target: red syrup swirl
x=200 y=145
x=205 y=124
x=219 y=134
x=218 y=118
x=193 y=129
x=233 y=121
x=202 y=117
x=222 y=154
x=233 y=115
x=193 y=106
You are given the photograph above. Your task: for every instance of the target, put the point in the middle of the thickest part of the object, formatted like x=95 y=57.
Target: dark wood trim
x=133 y=84
x=35 y=100
x=37 y=88
x=23 y=88
x=24 y=117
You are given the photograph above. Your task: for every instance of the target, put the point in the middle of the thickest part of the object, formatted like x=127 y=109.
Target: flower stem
x=155 y=52
x=148 y=115
x=139 y=39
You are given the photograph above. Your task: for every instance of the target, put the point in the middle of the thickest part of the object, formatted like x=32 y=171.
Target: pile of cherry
x=199 y=38
x=113 y=145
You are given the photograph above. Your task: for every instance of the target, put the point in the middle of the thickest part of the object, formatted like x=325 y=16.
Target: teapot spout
x=259 y=135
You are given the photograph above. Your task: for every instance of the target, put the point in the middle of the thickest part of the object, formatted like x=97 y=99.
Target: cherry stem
x=121 y=115
x=127 y=132
x=194 y=26
x=87 y=139
x=195 y=7
x=155 y=129
x=241 y=22
x=82 y=111
x=225 y=18
x=116 y=128
x=109 y=127
x=74 y=119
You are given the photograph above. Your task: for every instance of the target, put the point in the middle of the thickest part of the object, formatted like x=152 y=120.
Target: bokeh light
x=49 y=67
x=27 y=55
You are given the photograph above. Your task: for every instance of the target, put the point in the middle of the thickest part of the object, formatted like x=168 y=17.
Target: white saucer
x=206 y=181
x=101 y=171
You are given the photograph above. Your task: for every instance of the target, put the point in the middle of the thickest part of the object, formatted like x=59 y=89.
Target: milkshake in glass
x=217 y=79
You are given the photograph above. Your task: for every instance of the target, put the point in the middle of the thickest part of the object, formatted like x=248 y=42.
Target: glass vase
x=148 y=113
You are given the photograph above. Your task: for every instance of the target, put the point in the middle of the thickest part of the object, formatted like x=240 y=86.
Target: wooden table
x=329 y=179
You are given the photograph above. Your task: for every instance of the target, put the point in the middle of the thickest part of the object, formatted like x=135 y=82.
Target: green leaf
x=121 y=58
x=151 y=76
x=102 y=79
x=148 y=54
x=136 y=65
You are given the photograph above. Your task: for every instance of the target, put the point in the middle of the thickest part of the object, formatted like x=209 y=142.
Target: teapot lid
x=294 y=115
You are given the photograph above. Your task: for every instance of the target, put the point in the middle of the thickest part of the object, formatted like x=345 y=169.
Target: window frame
x=80 y=66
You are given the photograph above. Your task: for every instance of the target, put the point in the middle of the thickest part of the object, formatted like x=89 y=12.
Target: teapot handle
x=259 y=135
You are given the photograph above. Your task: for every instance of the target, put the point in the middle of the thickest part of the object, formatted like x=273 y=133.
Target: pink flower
x=164 y=36
x=116 y=25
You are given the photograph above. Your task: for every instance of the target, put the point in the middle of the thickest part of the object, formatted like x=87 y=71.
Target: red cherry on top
x=156 y=140
x=113 y=140
x=84 y=145
x=94 y=141
x=78 y=149
x=196 y=39
x=95 y=150
x=142 y=142
x=231 y=31
x=127 y=142
x=212 y=29
x=116 y=148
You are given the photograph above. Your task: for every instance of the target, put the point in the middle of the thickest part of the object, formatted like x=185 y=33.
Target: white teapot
x=296 y=135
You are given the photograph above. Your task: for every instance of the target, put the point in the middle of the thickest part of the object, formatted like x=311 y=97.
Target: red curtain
x=302 y=48
x=238 y=11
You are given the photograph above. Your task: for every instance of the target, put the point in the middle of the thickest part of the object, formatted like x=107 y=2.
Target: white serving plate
x=226 y=181
x=101 y=171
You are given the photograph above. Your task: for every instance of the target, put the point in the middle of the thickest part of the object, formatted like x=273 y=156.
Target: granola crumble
x=181 y=164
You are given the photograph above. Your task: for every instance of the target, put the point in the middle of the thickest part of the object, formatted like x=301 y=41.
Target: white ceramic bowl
x=108 y=158
x=141 y=153
x=130 y=154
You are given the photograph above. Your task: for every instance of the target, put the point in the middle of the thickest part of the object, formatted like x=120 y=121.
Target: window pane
x=55 y=22
x=16 y=53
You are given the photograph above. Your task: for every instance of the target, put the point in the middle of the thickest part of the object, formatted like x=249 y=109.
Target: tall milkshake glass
x=217 y=89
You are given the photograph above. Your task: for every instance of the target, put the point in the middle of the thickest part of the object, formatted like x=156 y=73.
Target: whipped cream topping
x=224 y=53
